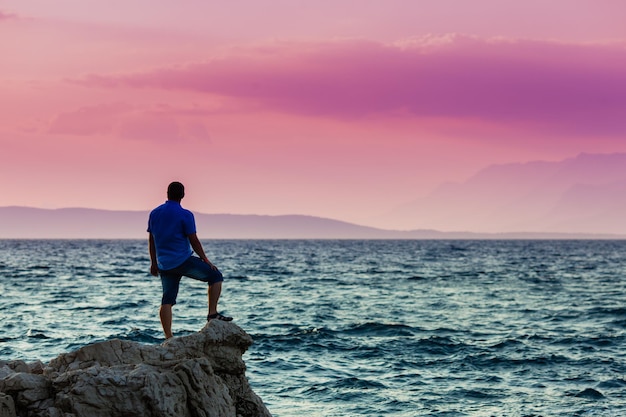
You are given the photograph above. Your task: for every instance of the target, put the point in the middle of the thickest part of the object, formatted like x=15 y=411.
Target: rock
x=7 y=408
x=590 y=394
x=200 y=375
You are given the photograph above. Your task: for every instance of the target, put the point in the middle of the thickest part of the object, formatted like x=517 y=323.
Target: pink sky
x=341 y=109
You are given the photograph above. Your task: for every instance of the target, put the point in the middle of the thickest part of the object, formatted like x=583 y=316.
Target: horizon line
x=460 y=235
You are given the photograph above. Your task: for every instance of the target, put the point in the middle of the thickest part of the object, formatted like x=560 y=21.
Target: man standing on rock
x=172 y=241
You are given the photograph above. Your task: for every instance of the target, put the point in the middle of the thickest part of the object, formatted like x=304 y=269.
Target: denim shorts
x=193 y=267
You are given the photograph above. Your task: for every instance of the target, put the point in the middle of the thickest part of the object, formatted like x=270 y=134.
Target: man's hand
x=154 y=269
x=206 y=260
x=197 y=248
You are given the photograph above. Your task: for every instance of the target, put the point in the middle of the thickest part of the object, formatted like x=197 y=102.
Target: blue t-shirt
x=170 y=225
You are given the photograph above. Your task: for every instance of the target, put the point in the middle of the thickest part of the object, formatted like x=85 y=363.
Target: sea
x=356 y=327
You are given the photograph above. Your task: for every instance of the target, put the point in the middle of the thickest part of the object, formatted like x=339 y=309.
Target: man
x=172 y=241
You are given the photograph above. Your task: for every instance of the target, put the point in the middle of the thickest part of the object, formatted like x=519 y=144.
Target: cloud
x=162 y=123
x=150 y=127
x=161 y=127
x=546 y=84
x=7 y=16
x=89 y=120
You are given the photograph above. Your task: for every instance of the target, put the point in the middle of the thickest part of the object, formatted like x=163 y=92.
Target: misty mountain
x=581 y=194
x=70 y=223
x=80 y=223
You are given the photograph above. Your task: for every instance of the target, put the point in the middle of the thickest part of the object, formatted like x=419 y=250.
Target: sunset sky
x=342 y=109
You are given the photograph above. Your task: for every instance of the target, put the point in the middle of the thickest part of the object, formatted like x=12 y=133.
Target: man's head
x=175 y=191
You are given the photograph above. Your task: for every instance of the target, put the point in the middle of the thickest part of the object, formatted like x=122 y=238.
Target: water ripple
x=357 y=328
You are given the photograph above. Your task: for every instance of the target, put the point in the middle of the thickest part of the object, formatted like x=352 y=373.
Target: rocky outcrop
x=7 y=408
x=200 y=375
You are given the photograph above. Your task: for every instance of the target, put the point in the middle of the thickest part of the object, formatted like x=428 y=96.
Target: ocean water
x=357 y=328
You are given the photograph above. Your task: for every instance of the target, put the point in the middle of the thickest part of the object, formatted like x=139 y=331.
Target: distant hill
x=81 y=223
x=575 y=195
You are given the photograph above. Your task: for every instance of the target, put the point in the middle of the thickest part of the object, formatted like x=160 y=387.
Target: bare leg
x=166 y=319
x=213 y=294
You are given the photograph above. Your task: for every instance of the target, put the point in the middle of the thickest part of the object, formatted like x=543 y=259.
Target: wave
x=375 y=329
x=467 y=328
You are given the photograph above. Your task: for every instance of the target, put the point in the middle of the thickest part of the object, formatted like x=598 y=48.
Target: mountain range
x=580 y=197
x=584 y=194
x=80 y=223
x=35 y=223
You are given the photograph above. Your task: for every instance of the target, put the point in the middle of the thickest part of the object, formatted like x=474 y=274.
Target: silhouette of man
x=172 y=242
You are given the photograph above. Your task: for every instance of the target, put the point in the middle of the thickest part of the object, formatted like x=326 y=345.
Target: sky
x=342 y=109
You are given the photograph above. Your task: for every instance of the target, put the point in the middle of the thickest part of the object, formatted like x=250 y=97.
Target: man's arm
x=197 y=248
x=154 y=269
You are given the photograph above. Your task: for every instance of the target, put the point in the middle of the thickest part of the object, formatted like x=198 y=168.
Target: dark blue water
x=357 y=328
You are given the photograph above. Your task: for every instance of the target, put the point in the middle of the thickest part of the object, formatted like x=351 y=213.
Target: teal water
x=357 y=328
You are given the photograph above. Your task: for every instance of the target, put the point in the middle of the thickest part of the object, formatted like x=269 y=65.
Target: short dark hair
x=175 y=191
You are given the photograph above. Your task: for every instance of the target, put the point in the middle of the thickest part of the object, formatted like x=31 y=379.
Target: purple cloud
x=566 y=87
